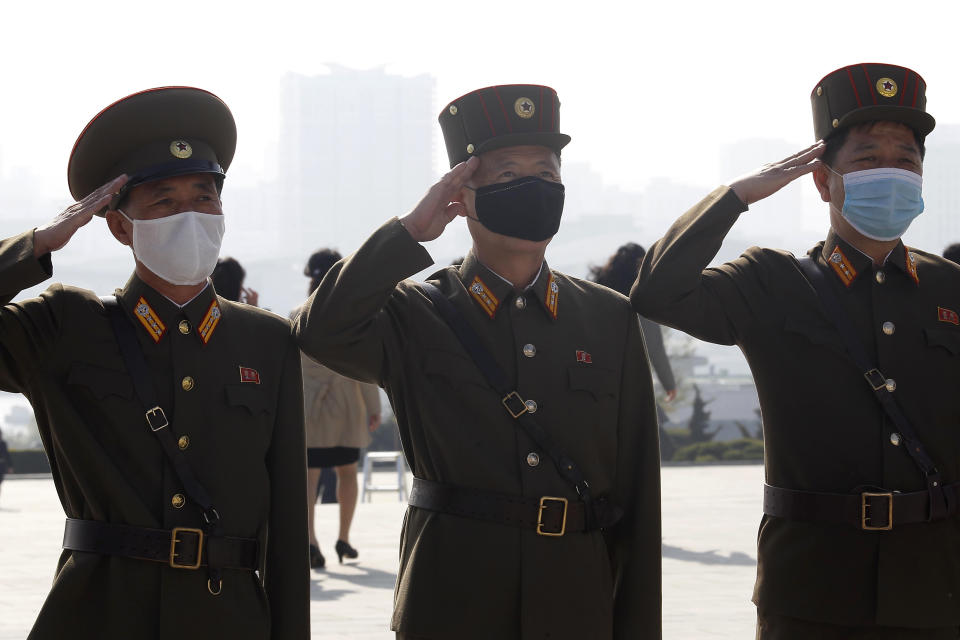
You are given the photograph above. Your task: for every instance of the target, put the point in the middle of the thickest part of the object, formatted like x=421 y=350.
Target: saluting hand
x=249 y=296
x=432 y=214
x=772 y=177
x=59 y=231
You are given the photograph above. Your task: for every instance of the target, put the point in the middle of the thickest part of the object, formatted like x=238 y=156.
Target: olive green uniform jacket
x=823 y=428
x=465 y=578
x=245 y=446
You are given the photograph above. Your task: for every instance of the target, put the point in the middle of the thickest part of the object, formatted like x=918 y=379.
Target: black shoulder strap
x=877 y=381
x=155 y=415
x=510 y=399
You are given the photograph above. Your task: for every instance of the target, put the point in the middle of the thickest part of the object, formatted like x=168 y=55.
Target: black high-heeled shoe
x=317 y=561
x=344 y=549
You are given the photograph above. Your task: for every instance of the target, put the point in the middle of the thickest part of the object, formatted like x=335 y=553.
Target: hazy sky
x=647 y=88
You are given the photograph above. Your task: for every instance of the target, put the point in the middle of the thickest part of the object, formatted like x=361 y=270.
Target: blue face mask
x=881 y=203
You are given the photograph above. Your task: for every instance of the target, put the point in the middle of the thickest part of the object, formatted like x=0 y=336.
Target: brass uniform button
x=469 y=148
x=819 y=91
x=520 y=302
x=889 y=328
x=533 y=459
x=453 y=109
x=187 y=383
x=891 y=385
x=529 y=350
x=184 y=327
x=895 y=439
x=531 y=406
x=880 y=276
x=835 y=123
x=178 y=501
x=183 y=442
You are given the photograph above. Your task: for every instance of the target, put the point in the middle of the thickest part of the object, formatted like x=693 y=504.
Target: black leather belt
x=870 y=510
x=180 y=548
x=547 y=515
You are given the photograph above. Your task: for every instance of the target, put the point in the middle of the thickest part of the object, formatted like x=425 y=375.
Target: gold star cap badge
x=181 y=149
x=524 y=108
x=886 y=87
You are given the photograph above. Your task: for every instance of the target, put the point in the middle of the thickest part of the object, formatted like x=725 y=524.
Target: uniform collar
x=157 y=315
x=848 y=263
x=490 y=291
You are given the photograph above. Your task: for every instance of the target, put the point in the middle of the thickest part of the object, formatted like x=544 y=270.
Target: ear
x=466 y=200
x=821 y=179
x=117 y=226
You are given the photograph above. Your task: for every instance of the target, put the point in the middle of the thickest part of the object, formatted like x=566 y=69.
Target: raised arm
x=345 y=324
x=674 y=286
x=28 y=329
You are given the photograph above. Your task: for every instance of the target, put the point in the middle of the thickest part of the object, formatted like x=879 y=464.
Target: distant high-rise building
x=939 y=225
x=356 y=147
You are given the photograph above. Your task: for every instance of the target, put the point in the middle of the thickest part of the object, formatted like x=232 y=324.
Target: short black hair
x=621 y=268
x=228 y=278
x=952 y=253
x=835 y=141
x=318 y=264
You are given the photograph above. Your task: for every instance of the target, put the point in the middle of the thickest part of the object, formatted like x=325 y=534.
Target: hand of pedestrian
x=58 y=232
x=671 y=395
x=435 y=211
x=374 y=422
x=772 y=177
x=249 y=296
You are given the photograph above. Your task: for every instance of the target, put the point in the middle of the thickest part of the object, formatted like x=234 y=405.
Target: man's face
x=162 y=198
x=166 y=197
x=505 y=165
x=880 y=145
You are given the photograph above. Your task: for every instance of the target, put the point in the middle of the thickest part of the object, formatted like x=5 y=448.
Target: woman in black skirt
x=339 y=414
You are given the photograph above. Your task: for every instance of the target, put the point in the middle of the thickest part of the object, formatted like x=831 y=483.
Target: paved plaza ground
x=710 y=518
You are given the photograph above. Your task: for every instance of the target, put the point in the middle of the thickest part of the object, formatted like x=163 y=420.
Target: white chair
x=369 y=487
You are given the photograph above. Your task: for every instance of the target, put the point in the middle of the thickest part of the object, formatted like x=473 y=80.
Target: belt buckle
x=513 y=395
x=157 y=419
x=563 y=523
x=877 y=381
x=864 y=505
x=173 y=547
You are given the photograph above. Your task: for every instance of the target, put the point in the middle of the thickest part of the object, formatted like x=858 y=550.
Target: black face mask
x=528 y=208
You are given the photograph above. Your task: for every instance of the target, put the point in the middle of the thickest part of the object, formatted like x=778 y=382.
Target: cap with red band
x=867 y=92
x=503 y=116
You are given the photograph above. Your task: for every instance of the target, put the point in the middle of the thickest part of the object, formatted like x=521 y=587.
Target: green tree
x=700 y=419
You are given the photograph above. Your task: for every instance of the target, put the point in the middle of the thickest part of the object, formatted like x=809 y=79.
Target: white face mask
x=182 y=248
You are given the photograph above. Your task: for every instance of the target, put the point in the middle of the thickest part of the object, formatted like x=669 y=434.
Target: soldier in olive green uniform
x=492 y=558
x=832 y=563
x=141 y=558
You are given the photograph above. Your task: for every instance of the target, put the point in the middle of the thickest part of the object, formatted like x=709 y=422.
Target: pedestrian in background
x=618 y=274
x=227 y=278
x=340 y=413
x=952 y=253
x=5 y=466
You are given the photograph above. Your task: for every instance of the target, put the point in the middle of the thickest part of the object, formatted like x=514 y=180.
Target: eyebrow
x=161 y=188
x=504 y=164
x=870 y=146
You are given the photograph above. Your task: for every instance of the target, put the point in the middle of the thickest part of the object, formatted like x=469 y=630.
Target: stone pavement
x=710 y=519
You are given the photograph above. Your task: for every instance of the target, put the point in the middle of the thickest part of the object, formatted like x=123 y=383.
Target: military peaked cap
x=503 y=116
x=870 y=91
x=154 y=134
